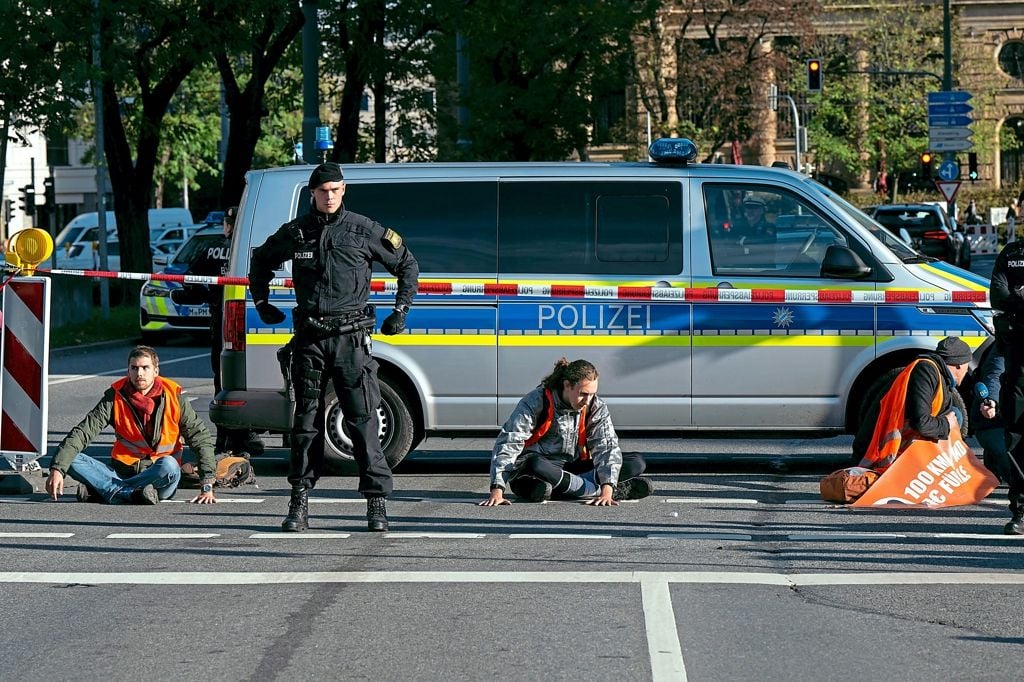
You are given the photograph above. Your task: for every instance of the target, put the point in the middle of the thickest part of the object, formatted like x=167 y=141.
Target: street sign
x=949 y=96
x=950 y=134
x=949 y=109
x=949 y=145
x=948 y=170
x=949 y=121
x=948 y=189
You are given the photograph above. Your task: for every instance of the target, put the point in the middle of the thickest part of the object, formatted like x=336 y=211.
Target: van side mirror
x=841 y=262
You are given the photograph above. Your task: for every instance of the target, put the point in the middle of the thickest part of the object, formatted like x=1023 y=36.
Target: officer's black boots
x=298 y=511
x=1016 y=524
x=376 y=514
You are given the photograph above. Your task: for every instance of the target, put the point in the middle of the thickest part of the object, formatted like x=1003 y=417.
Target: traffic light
x=814 y=75
x=8 y=211
x=926 y=165
x=28 y=200
x=972 y=166
x=49 y=194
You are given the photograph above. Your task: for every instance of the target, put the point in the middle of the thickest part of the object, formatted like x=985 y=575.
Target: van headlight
x=150 y=289
x=985 y=316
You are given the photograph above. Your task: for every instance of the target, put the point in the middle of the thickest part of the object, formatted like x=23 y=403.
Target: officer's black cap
x=325 y=172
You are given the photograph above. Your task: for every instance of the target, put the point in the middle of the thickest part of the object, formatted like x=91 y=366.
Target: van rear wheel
x=396 y=429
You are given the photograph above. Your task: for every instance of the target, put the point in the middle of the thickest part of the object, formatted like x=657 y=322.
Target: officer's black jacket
x=211 y=261
x=332 y=262
x=1008 y=280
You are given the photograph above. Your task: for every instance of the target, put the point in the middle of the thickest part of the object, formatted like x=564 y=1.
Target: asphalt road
x=733 y=570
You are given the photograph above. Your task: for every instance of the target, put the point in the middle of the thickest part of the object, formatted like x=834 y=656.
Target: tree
x=702 y=68
x=533 y=69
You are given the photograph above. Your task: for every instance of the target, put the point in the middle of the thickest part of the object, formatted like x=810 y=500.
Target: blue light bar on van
x=669 y=150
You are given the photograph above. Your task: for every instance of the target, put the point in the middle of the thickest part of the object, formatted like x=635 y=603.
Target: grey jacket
x=191 y=427
x=560 y=442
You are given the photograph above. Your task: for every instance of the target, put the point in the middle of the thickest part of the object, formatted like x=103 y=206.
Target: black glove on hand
x=269 y=313
x=393 y=323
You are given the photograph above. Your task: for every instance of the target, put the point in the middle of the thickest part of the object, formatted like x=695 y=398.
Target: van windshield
x=898 y=248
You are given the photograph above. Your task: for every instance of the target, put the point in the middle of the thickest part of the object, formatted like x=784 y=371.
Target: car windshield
x=913 y=220
x=898 y=247
x=187 y=253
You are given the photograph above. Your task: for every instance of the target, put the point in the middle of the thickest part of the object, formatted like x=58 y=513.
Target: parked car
x=928 y=229
x=169 y=307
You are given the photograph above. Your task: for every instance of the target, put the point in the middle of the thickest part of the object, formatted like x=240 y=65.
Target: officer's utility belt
x=335 y=325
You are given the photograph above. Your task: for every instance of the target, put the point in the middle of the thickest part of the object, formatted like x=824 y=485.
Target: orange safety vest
x=130 y=443
x=892 y=435
x=549 y=416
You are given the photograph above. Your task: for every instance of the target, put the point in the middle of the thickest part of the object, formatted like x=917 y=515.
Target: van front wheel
x=396 y=429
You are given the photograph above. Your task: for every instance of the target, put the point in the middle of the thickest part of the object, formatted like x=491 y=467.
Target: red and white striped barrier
x=25 y=362
x=984 y=241
x=687 y=294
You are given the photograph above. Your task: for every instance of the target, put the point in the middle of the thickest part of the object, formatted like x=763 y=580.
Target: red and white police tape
x=512 y=289
x=24 y=358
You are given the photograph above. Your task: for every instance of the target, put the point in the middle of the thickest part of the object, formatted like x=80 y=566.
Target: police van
x=710 y=297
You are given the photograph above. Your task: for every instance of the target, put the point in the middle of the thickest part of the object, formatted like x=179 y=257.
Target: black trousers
x=550 y=470
x=346 y=360
x=1011 y=405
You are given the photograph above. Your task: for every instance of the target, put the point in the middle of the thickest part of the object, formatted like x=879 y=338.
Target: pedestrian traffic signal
x=28 y=200
x=814 y=75
x=972 y=166
x=8 y=211
x=926 y=165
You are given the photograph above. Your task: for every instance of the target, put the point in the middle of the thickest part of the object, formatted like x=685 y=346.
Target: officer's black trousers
x=346 y=360
x=1011 y=405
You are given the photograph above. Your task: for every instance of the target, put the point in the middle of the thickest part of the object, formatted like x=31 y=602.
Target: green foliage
x=123 y=323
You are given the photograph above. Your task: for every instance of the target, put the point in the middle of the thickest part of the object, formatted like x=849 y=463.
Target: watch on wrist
x=207 y=488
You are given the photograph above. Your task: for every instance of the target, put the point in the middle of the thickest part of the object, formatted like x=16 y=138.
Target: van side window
x=449 y=226
x=763 y=230
x=591 y=227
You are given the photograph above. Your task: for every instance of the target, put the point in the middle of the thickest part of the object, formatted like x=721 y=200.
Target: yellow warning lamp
x=28 y=248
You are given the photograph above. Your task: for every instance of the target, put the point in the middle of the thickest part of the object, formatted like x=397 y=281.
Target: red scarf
x=144 y=404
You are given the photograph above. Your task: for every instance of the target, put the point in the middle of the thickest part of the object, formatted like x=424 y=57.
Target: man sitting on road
x=150 y=420
x=920 y=404
x=560 y=440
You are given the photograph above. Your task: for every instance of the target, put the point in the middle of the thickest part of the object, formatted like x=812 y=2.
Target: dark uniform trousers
x=1011 y=404
x=344 y=359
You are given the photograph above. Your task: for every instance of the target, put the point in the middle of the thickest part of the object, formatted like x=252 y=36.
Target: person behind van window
x=919 y=404
x=755 y=224
x=213 y=261
x=150 y=419
x=332 y=252
x=560 y=440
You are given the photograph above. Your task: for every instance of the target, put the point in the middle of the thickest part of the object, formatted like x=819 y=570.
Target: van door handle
x=662 y=284
x=724 y=285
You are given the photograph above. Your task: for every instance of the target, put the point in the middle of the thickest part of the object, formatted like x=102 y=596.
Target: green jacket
x=192 y=429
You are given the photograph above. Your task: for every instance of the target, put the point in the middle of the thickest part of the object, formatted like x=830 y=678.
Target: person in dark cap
x=755 y=224
x=922 y=402
x=332 y=252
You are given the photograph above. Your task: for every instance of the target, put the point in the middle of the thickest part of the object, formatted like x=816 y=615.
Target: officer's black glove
x=269 y=313
x=393 y=323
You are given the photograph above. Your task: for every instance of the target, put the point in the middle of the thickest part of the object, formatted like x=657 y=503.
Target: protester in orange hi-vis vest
x=150 y=419
x=922 y=403
x=559 y=440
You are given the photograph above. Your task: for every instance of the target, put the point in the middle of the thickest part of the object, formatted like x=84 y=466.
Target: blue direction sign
x=949 y=145
x=949 y=134
x=949 y=109
x=948 y=121
x=948 y=170
x=949 y=96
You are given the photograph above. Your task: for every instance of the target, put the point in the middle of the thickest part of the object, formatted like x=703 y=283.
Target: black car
x=926 y=228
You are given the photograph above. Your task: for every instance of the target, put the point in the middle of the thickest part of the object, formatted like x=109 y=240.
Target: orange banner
x=929 y=474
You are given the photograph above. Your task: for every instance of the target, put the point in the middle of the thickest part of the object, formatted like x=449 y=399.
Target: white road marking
x=662 y=637
x=434 y=536
x=335 y=500
x=162 y=536
x=37 y=535
x=698 y=535
x=303 y=535
x=222 y=500
x=845 y=536
x=557 y=536
x=709 y=500
x=978 y=536
x=68 y=378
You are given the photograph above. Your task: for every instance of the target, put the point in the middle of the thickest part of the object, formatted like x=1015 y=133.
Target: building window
x=1011 y=58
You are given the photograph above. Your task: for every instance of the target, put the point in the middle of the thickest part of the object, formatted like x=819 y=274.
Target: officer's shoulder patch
x=392 y=239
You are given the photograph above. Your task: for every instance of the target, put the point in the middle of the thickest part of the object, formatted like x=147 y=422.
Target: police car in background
x=167 y=307
x=700 y=312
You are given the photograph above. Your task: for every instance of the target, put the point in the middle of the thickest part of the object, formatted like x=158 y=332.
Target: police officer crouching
x=1007 y=295
x=332 y=252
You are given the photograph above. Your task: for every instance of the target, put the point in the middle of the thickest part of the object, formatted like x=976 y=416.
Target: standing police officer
x=332 y=252
x=1007 y=296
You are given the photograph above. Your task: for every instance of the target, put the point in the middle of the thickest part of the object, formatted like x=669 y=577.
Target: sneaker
x=146 y=495
x=632 y=489
x=531 y=489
